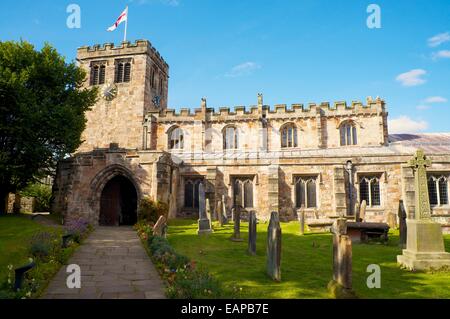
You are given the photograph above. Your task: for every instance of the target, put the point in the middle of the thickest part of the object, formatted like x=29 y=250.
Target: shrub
x=150 y=210
x=44 y=244
x=78 y=228
x=184 y=279
x=42 y=193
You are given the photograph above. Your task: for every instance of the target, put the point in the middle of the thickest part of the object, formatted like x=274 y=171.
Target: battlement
x=126 y=48
x=338 y=108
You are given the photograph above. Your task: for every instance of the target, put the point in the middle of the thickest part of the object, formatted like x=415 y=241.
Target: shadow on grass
x=306 y=264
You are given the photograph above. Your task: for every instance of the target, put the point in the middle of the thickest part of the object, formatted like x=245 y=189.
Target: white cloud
x=412 y=78
x=439 y=39
x=243 y=69
x=435 y=99
x=405 y=124
x=443 y=54
x=422 y=107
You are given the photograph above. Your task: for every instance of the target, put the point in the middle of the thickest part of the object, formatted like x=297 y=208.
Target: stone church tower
x=132 y=80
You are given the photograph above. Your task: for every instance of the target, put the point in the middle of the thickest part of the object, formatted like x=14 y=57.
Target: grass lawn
x=306 y=264
x=15 y=233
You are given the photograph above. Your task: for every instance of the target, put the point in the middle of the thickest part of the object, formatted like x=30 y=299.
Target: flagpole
x=126 y=26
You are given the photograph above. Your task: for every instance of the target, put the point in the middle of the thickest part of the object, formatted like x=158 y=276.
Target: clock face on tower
x=109 y=91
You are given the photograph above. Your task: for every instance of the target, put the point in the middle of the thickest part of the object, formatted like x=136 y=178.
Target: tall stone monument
x=204 y=224
x=424 y=242
x=274 y=247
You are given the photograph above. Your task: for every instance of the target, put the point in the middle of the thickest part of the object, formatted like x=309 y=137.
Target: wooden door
x=110 y=204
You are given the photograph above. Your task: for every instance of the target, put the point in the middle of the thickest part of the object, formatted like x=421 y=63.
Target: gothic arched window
x=243 y=192
x=438 y=190
x=289 y=135
x=191 y=192
x=348 y=133
x=176 y=138
x=369 y=190
x=230 y=138
x=306 y=192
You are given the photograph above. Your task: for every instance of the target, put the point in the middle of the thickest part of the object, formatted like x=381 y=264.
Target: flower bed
x=184 y=279
x=46 y=251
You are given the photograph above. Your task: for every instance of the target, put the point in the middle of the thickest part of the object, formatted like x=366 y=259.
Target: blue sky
x=297 y=51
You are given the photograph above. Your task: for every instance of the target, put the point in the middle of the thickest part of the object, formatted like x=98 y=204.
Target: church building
x=321 y=157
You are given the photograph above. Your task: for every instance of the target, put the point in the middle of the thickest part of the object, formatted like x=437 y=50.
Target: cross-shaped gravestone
x=419 y=164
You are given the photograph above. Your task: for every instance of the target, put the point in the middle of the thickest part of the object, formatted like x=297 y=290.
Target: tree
x=42 y=113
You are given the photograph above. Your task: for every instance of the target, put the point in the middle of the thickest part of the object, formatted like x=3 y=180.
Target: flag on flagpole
x=122 y=18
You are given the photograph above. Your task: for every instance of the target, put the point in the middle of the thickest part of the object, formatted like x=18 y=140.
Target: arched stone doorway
x=118 y=202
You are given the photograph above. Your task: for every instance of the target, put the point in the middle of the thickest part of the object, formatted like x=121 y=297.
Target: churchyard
x=306 y=263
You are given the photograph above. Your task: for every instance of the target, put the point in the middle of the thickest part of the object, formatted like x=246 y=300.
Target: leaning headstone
x=274 y=247
x=424 y=242
x=362 y=211
x=341 y=285
x=158 y=229
x=237 y=226
x=301 y=219
x=402 y=224
x=357 y=212
x=204 y=224
x=252 y=233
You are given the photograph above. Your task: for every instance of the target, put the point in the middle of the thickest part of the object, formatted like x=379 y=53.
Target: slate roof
x=433 y=143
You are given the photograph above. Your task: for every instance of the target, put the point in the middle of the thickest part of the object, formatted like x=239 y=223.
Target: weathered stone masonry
x=164 y=153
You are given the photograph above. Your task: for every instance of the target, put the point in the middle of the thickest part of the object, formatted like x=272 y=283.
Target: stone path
x=114 y=265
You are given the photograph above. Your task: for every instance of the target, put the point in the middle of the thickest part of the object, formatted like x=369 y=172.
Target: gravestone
x=224 y=211
x=252 y=233
x=274 y=247
x=362 y=211
x=237 y=225
x=158 y=229
x=341 y=285
x=208 y=210
x=204 y=224
x=392 y=220
x=424 y=242
x=220 y=212
x=402 y=224
x=357 y=212
x=301 y=219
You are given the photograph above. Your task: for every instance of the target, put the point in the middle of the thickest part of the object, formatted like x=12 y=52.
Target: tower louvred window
x=123 y=72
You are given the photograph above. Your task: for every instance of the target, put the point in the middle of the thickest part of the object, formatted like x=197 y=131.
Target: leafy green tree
x=42 y=113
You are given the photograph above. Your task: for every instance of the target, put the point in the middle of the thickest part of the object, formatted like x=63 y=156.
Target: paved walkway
x=114 y=265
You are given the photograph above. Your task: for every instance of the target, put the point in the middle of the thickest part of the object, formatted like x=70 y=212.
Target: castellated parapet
x=318 y=125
